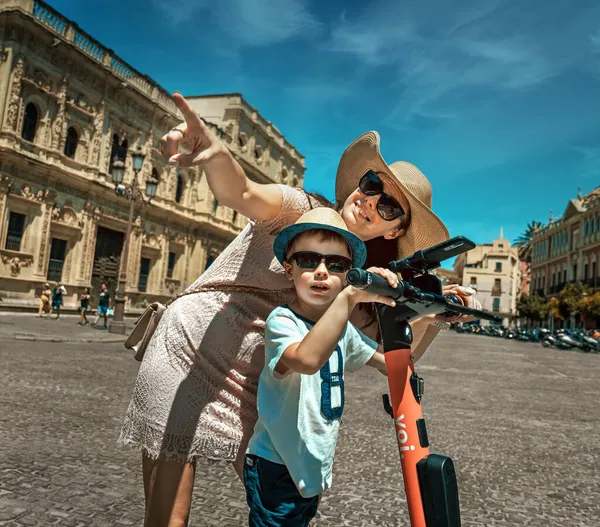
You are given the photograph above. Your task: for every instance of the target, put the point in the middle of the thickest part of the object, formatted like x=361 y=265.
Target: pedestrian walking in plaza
x=103 y=307
x=195 y=394
x=84 y=306
x=45 y=301
x=57 y=298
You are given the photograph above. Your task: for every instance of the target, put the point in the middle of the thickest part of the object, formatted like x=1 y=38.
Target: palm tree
x=523 y=242
x=525 y=238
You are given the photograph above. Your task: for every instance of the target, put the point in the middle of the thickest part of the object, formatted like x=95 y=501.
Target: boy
x=308 y=346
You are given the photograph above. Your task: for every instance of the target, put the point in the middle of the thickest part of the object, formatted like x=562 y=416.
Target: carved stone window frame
x=42 y=106
x=258 y=153
x=80 y=134
x=179 y=267
x=184 y=176
x=59 y=233
x=21 y=205
x=243 y=141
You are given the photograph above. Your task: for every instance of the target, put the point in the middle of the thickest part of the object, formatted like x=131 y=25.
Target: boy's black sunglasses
x=311 y=260
x=387 y=206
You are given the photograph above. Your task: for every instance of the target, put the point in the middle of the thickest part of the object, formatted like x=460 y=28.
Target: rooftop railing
x=71 y=32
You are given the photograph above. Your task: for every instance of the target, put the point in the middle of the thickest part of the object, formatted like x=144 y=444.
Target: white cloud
x=437 y=54
x=179 y=11
x=244 y=22
x=371 y=38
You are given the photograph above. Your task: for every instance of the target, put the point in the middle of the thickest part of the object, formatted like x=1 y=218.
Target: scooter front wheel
x=546 y=344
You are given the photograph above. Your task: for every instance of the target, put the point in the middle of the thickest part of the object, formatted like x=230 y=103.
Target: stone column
x=89 y=242
x=197 y=257
x=162 y=264
x=5 y=70
x=135 y=252
x=14 y=100
x=41 y=257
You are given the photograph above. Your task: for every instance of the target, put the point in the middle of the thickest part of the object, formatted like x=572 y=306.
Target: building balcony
x=496 y=291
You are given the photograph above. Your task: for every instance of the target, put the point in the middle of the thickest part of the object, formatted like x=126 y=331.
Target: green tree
x=554 y=308
x=570 y=298
x=532 y=307
x=590 y=305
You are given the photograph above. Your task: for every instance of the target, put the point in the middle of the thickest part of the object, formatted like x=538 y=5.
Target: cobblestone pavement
x=520 y=422
x=29 y=327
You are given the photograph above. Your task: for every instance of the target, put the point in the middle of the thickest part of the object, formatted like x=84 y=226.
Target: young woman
x=195 y=394
x=84 y=306
x=45 y=301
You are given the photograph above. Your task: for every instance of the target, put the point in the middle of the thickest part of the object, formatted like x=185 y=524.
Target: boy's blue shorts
x=273 y=498
x=102 y=310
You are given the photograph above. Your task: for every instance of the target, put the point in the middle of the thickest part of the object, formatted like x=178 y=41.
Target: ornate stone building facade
x=567 y=249
x=494 y=270
x=70 y=108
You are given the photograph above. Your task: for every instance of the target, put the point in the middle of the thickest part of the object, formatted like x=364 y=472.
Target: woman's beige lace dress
x=195 y=394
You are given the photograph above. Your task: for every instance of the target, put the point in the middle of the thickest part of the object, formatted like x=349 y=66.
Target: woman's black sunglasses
x=387 y=206
x=311 y=260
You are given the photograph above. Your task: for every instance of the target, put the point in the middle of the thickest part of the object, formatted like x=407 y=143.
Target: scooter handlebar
x=362 y=279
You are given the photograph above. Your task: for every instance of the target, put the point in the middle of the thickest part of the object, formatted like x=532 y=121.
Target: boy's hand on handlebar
x=361 y=295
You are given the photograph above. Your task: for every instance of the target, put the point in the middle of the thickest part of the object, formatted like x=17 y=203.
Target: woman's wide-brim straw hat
x=320 y=218
x=425 y=228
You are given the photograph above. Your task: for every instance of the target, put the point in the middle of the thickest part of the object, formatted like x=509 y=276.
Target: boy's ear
x=288 y=270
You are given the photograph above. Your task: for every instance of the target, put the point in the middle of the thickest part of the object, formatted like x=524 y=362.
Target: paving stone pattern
x=31 y=328
x=520 y=422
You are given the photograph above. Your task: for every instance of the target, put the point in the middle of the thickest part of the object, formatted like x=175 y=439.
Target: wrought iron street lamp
x=135 y=195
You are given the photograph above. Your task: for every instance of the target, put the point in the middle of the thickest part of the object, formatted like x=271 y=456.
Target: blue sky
x=497 y=102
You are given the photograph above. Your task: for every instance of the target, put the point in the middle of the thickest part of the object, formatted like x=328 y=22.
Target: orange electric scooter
x=429 y=479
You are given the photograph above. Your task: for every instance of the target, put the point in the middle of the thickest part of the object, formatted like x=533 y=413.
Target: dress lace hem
x=156 y=444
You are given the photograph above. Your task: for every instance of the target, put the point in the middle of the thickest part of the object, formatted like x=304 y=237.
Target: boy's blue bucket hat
x=320 y=218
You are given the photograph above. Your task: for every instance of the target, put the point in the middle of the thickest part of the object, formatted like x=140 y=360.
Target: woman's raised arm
x=226 y=178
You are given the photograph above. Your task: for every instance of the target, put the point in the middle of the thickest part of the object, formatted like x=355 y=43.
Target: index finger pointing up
x=189 y=114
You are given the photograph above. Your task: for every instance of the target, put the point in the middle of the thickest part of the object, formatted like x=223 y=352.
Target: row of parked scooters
x=579 y=339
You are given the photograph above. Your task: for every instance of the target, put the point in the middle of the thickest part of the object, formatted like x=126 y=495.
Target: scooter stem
x=408 y=416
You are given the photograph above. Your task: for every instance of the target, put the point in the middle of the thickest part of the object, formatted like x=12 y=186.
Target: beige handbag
x=145 y=326
x=143 y=329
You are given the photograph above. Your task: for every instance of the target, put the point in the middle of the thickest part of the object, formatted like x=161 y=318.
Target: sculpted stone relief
x=98 y=135
x=41 y=79
x=81 y=102
x=39 y=196
x=67 y=216
x=59 y=124
x=178 y=237
x=150 y=239
x=15 y=94
x=16 y=263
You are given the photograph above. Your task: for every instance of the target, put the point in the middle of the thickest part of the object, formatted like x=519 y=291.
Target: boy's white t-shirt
x=298 y=415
